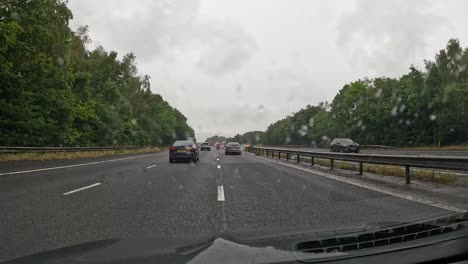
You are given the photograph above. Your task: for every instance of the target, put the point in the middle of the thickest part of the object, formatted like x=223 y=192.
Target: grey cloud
x=225 y=47
x=168 y=29
x=149 y=28
x=388 y=35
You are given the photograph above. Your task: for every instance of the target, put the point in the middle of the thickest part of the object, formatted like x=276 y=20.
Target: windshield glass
x=183 y=121
x=182 y=143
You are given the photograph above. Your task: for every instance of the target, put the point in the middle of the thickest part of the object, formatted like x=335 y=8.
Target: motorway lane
x=181 y=200
x=265 y=195
x=164 y=201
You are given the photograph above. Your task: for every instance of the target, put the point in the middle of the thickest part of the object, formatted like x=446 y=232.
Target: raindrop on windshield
x=394 y=110
x=359 y=123
x=302 y=132
x=238 y=89
x=261 y=108
x=311 y=122
x=378 y=93
x=313 y=144
x=60 y=61
x=288 y=139
x=236 y=173
x=402 y=108
x=15 y=16
x=433 y=117
x=134 y=122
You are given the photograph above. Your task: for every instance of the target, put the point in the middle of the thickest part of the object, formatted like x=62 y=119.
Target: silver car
x=233 y=148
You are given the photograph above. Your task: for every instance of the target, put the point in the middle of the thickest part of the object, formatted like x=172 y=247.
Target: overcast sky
x=239 y=65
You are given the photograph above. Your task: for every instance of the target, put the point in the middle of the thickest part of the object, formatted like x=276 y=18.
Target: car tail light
x=172 y=149
x=192 y=149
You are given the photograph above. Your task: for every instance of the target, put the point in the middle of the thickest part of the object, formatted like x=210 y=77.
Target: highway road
x=48 y=205
x=394 y=151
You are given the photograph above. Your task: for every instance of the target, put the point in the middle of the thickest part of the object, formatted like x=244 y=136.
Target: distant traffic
x=189 y=151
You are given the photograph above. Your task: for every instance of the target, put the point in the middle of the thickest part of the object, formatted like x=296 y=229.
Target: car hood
x=252 y=247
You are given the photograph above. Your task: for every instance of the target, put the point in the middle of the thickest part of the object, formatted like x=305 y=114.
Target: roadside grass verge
x=421 y=174
x=73 y=155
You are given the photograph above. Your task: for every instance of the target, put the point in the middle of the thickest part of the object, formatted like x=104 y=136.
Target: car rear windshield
x=233 y=144
x=182 y=143
x=344 y=140
x=205 y=144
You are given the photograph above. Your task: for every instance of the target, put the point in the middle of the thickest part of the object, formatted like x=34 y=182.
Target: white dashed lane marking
x=220 y=193
x=82 y=188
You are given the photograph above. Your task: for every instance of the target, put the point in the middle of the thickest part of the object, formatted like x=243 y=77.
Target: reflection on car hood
x=254 y=247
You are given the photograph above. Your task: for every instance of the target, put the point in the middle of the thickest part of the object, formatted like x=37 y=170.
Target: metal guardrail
x=360 y=146
x=16 y=150
x=407 y=161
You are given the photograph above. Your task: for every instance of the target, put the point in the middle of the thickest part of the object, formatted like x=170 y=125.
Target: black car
x=233 y=148
x=205 y=146
x=183 y=150
x=344 y=145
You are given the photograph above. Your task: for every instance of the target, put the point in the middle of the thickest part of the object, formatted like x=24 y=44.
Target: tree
x=56 y=92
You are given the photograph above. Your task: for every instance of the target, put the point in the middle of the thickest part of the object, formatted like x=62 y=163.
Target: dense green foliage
x=53 y=91
x=420 y=108
x=215 y=139
x=253 y=137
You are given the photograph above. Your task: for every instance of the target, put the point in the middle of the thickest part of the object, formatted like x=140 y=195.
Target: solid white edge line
x=375 y=188
x=219 y=166
x=149 y=167
x=82 y=188
x=75 y=165
x=220 y=193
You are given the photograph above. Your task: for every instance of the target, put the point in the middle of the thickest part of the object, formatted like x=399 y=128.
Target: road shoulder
x=454 y=198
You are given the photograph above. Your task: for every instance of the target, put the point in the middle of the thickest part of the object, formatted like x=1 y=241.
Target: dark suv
x=344 y=145
x=183 y=150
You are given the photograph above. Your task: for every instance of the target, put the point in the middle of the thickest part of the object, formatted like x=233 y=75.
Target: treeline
x=422 y=107
x=54 y=91
x=249 y=137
